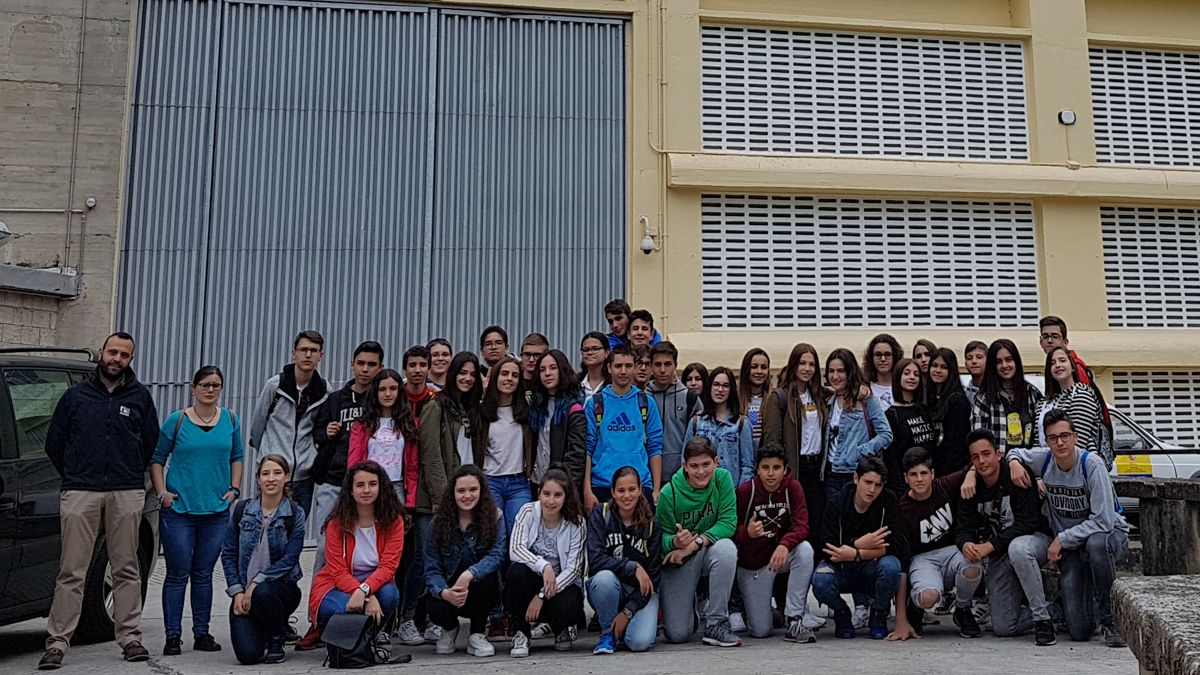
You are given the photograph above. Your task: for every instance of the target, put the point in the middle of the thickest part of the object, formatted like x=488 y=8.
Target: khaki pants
x=82 y=513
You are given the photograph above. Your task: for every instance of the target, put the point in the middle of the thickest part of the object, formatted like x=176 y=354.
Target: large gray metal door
x=372 y=171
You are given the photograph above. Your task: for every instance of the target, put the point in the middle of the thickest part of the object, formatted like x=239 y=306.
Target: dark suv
x=29 y=495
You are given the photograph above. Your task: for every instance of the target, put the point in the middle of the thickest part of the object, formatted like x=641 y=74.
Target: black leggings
x=271 y=605
x=482 y=595
x=522 y=585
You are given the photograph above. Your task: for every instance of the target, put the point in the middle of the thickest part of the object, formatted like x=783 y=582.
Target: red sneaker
x=498 y=629
x=310 y=641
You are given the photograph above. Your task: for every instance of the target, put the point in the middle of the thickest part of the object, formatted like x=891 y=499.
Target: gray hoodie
x=1079 y=507
x=672 y=404
x=277 y=427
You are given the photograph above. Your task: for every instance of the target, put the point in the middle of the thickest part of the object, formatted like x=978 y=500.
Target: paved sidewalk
x=941 y=651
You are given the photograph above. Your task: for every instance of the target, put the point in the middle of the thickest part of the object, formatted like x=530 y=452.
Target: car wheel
x=96 y=614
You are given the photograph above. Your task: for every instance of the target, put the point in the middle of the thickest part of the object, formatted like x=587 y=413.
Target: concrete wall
x=52 y=159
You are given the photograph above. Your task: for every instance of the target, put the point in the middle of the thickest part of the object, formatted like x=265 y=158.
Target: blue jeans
x=335 y=601
x=608 y=595
x=879 y=579
x=1087 y=575
x=191 y=544
x=271 y=606
x=510 y=493
x=414 y=579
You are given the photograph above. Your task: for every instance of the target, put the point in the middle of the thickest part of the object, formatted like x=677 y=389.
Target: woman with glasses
x=879 y=363
x=204 y=445
x=593 y=352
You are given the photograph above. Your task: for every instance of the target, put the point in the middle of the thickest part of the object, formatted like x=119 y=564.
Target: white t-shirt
x=883 y=394
x=810 y=432
x=466 y=453
x=366 y=552
x=386 y=446
x=505 y=454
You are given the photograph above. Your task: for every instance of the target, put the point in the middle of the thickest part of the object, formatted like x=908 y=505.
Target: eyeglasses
x=494 y=343
x=720 y=385
x=882 y=355
x=1055 y=439
x=211 y=386
x=591 y=350
x=1051 y=337
x=531 y=355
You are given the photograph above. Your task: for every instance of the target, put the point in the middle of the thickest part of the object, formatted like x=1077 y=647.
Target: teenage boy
x=493 y=346
x=641 y=329
x=100 y=440
x=440 y=356
x=975 y=358
x=927 y=516
x=533 y=348
x=1000 y=526
x=1091 y=537
x=434 y=472
x=286 y=410
x=623 y=429
x=675 y=404
x=641 y=371
x=865 y=549
x=616 y=313
x=770 y=536
x=698 y=515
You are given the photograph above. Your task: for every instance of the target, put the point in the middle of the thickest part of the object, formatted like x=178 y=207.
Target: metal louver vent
x=1151 y=258
x=808 y=262
x=1145 y=105
x=799 y=91
x=1163 y=401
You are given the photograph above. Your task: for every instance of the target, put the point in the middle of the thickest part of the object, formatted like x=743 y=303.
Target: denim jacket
x=285 y=548
x=854 y=439
x=734 y=441
x=465 y=552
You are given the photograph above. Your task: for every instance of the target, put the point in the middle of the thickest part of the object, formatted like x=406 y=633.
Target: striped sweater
x=571 y=539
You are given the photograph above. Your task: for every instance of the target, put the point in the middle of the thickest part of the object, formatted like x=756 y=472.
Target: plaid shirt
x=993 y=416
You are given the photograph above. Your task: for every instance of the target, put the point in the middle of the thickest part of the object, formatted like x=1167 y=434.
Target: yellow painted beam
x=852 y=175
x=862 y=25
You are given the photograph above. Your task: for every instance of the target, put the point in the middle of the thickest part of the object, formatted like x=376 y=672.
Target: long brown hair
x=745 y=388
x=854 y=377
x=488 y=408
x=572 y=509
x=1053 y=388
x=387 y=505
x=402 y=415
x=792 y=387
x=898 y=393
x=485 y=516
x=643 y=517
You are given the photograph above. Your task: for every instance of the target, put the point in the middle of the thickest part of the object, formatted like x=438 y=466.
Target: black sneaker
x=275 y=649
x=134 y=652
x=1043 y=633
x=173 y=646
x=206 y=643
x=290 y=636
x=844 y=624
x=51 y=660
x=916 y=617
x=1111 y=637
x=968 y=627
x=877 y=624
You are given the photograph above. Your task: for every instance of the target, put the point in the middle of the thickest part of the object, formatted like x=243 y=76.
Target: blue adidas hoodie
x=620 y=439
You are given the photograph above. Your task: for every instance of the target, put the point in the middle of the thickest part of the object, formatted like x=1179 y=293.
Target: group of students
x=504 y=489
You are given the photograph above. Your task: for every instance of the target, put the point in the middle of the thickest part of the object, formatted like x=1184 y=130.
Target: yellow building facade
x=1093 y=201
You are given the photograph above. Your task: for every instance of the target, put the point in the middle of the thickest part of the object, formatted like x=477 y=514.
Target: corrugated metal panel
x=288 y=181
x=530 y=126
x=163 y=249
x=319 y=197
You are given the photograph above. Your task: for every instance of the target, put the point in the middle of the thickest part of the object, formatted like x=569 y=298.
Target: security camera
x=647 y=244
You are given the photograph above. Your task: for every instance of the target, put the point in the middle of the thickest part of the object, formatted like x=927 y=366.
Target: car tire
x=95 y=618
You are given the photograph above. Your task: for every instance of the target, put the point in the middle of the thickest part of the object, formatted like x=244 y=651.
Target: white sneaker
x=859 y=619
x=478 y=645
x=540 y=631
x=812 y=621
x=736 y=622
x=445 y=641
x=408 y=634
x=520 y=648
x=433 y=633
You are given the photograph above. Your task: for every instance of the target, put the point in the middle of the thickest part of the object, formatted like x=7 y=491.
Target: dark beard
x=112 y=378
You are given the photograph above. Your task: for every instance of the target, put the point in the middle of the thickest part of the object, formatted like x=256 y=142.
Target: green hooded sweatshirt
x=711 y=511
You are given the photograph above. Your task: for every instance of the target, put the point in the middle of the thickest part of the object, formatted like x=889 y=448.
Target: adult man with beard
x=101 y=439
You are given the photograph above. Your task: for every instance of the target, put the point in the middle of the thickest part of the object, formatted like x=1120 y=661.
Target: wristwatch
x=236 y=492
x=857 y=555
x=541 y=595
x=628 y=613
x=364 y=588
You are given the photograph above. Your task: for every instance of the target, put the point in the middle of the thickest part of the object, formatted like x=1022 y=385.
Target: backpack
x=643 y=406
x=1083 y=466
x=350 y=643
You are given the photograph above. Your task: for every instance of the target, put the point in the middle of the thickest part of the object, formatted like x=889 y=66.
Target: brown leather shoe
x=134 y=652
x=310 y=641
x=51 y=660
